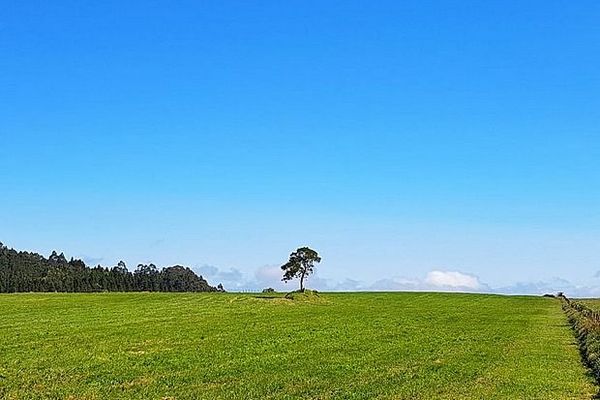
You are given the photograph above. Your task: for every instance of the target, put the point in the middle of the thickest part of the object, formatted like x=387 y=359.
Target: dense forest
x=22 y=271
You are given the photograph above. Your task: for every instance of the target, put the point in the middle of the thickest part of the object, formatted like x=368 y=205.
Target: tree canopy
x=300 y=265
x=21 y=271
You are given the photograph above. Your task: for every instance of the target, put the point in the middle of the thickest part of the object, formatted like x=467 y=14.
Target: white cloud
x=395 y=284
x=232 y=278
x=268 y=274
x=452 y=279
x=433 y=281
x=348 y=285
x=207 y=270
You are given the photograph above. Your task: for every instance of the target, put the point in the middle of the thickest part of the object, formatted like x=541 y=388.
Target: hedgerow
x=586 y=325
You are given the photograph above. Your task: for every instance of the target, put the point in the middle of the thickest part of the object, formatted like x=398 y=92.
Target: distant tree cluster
x=21 y=271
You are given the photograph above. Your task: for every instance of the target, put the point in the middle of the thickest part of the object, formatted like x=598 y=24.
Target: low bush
x=304 y=295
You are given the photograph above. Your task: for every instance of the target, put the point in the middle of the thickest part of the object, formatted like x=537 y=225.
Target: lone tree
x=301 y=264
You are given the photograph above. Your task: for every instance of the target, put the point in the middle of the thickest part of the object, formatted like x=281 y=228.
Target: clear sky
x=414 y=144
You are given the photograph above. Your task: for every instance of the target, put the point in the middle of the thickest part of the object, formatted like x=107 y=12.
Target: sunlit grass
x=233 y=346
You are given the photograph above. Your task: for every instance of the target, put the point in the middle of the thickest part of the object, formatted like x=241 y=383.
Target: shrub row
x=586 y=324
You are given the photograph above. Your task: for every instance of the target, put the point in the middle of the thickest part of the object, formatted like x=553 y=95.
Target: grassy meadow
x=241 y=346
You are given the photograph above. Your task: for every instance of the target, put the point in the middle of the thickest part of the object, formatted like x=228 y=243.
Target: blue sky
x=399 y=139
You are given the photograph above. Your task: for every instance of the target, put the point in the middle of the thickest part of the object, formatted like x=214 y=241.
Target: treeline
x=22 y=271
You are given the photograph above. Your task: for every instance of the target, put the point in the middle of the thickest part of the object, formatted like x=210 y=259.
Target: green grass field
x=233 y=346
x=593 y=303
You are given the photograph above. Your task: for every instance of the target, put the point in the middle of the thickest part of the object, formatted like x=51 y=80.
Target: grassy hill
x=339 y=346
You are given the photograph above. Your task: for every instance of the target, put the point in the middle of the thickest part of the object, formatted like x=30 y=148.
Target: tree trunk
x=302 y=283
